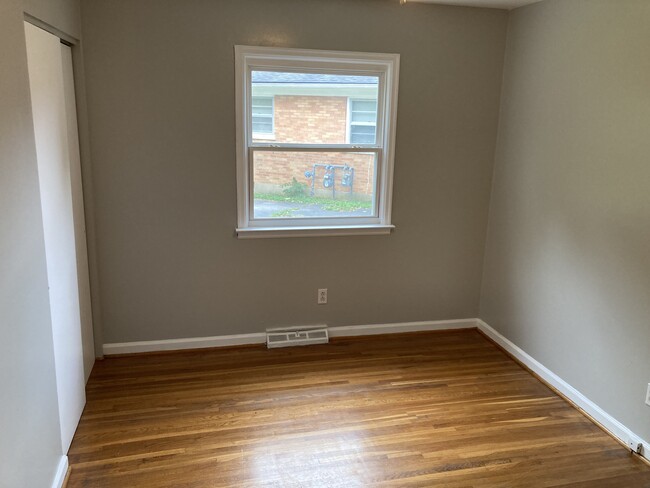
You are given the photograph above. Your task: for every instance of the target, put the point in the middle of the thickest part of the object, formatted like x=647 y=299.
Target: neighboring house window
x=363 y=121
x=262 y=116
x=329 y=166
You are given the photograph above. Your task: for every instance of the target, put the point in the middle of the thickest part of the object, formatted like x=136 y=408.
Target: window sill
x=320 y=231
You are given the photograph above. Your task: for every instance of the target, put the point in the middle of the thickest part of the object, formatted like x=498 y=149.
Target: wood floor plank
x=449 y=410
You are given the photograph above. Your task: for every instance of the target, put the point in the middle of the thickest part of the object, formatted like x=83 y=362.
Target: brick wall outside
x=311 y=119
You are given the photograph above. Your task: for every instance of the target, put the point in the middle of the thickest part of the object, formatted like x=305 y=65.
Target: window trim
x=386 y=67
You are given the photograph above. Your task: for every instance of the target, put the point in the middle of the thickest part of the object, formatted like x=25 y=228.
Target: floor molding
x=396 y=328
x=260 y=337
x=597 y=414
x=182 y=344
x=61 y=472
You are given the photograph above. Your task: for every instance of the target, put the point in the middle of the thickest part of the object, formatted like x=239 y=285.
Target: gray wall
x=63 y=15
x=161 y=103
x=567 y=271
x=30 y=444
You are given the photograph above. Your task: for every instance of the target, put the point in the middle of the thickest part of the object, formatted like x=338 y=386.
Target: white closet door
x=83 y=275
x=46 y=82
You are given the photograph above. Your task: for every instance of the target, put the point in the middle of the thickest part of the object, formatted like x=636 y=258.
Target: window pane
x=368 y=117
x=363 y=121
x=362 y=134
x=262 y=126
x=262 y=102
x=262 y=112
x=364 y=106
x=257 y=111
x=313 y=184
x=312 y=108
x=363 y=111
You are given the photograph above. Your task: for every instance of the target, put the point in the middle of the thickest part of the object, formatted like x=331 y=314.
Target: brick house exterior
x=310 y=118
x=317 y=120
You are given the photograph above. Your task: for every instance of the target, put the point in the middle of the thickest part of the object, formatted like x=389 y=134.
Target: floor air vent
x=297 y=336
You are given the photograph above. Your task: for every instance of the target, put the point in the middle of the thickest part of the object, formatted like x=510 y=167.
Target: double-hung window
x=315 y=141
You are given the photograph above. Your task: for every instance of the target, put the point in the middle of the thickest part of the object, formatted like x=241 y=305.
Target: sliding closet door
x=78 y=212
x=46 y=82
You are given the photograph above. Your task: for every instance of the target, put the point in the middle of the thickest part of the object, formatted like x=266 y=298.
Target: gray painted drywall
x=160 y=81
x=567 y=269
x=63 y=15
x=30 y=444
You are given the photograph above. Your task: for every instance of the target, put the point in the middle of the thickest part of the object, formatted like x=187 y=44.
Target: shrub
x=294 y=189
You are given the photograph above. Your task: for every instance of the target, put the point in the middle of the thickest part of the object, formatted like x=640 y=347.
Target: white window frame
x=386 y=68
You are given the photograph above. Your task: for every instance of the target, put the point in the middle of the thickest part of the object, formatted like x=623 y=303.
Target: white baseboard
x=374 y=329
x=606 y=421
x=61 y=472
x=180 y=344
x=260 y=337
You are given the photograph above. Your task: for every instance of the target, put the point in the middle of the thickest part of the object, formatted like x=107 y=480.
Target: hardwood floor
x=437 y=409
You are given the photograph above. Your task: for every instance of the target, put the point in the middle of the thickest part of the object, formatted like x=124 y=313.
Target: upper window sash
x=318 y=62
x=381 y=97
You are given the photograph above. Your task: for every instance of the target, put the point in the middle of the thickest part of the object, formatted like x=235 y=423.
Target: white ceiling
x=506 y=4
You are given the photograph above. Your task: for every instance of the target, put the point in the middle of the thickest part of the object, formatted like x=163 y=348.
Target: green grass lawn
x=325 y=203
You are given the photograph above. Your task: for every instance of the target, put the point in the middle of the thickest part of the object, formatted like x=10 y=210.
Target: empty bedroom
x=324 y=243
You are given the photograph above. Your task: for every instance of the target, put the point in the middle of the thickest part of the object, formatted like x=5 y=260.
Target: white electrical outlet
x=635 y=445
x=647 y=396
x=322 y=296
